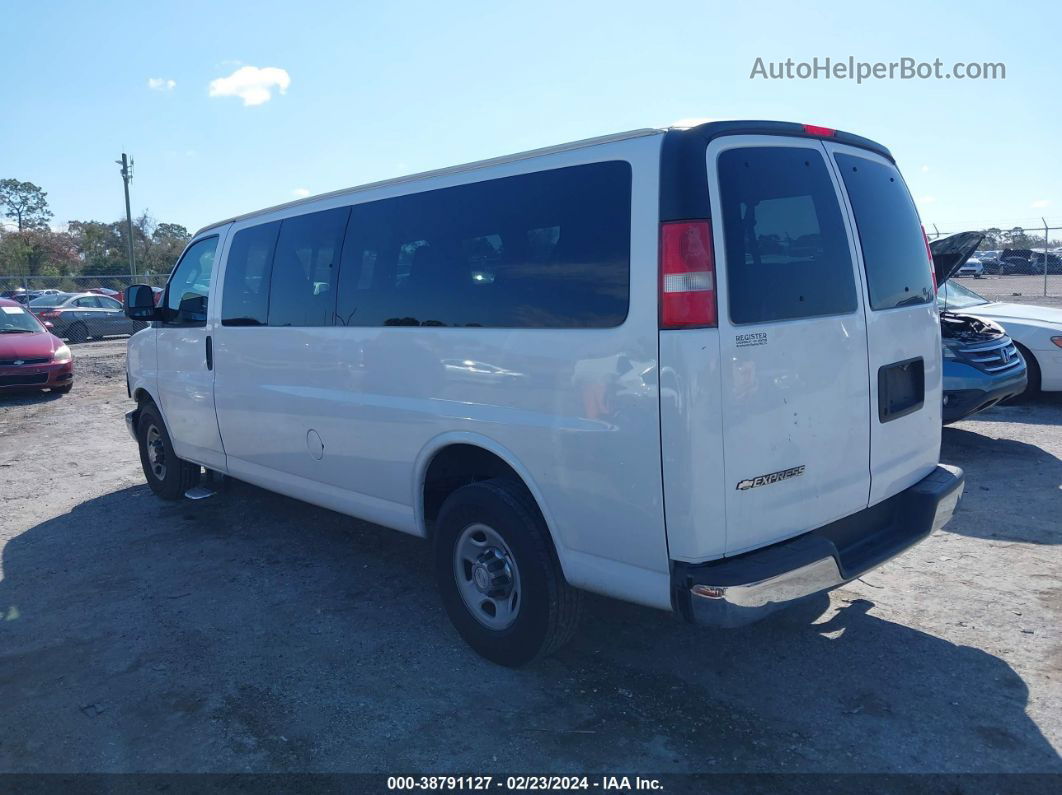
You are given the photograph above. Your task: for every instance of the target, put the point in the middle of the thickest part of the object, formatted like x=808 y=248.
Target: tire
x=169 y=477
x=500 y=518
x=77 y=332
x=63 y=390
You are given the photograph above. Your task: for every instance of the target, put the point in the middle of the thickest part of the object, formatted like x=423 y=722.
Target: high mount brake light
x=687 y=275
x=825 y=132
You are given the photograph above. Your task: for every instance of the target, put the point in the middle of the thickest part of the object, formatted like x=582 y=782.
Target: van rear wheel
x=499 y=576
x=167 y=475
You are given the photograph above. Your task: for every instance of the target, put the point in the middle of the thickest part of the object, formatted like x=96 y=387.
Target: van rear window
x=787 y=253
x=890 y=233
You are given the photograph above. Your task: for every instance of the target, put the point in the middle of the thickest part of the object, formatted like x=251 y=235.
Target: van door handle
x=209 y=353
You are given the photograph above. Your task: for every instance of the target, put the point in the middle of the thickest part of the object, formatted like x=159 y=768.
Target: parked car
x=972 y=267
x=31 y=357
x=1054 y=262
x=107 y=291
x=83 y=316
x=1035 y=330
x=1017 y=260
x=713 y=429
x=982 y=366
x=990 y=261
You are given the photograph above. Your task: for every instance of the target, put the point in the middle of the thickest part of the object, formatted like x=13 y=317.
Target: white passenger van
x=696 y=369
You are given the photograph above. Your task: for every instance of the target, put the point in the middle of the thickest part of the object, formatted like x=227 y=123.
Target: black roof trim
x=683 y=171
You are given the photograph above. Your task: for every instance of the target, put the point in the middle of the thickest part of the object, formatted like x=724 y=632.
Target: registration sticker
x=13 y=310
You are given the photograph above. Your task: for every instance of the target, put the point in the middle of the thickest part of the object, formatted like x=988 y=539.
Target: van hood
x=950 y=253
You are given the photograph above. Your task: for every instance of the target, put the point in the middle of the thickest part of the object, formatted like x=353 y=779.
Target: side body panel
x=349 y=417
x=691 y=440
x=141 y=363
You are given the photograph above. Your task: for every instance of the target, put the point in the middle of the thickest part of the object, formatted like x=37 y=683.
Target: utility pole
x=1045 y=252
x=127 y=175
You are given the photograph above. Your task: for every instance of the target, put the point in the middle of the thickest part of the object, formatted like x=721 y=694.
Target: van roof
x=706 y=131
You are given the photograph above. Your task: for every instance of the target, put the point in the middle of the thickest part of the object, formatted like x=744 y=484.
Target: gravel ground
x=1017 y=288
x=250 y=632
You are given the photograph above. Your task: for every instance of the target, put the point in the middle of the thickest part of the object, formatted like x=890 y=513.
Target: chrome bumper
x=732 y=592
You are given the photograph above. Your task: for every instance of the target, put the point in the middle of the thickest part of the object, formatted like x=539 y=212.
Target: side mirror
x=140 y=303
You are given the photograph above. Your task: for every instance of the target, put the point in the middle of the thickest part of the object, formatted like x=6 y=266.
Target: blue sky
x=381 y=89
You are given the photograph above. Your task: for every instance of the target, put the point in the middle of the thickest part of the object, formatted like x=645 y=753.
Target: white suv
x=697 y=369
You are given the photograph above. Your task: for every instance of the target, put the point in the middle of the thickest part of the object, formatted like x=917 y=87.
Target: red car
x=31 y=357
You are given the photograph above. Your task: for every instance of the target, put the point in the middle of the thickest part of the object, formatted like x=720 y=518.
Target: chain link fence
x=79 y=308
x=79 y=284
x=1016 y=288
x=1014 y=264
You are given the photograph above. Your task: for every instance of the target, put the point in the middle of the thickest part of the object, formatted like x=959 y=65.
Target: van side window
x=549 y=249
x=305 y=267
x=787 y=253
x=188 y=291
x=894 y=252
x=245 y=297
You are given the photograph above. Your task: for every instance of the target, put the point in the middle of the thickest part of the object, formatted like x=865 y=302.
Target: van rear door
x=792 y=338
x=903 y=328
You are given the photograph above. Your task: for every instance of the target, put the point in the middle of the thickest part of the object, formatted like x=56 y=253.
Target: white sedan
x=1037 y=331
x=972 y=267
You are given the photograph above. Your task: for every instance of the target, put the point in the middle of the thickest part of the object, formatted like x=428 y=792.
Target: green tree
x=26 y=203
x=38 y=253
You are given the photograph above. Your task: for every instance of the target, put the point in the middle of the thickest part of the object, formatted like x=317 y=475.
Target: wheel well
x=1031 y=363
x=141 y=395
x=458 y=465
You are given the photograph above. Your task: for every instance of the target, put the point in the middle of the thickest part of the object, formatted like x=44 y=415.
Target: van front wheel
x=499 y=576
x=167 y=475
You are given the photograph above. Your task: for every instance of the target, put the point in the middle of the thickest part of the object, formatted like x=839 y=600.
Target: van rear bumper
x=732 y=592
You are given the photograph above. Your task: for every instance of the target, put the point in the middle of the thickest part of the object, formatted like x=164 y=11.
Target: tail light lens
x=48 y=313
x=929 y=253
x=687 y=275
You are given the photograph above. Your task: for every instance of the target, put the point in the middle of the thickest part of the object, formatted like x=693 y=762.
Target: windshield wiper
x=16 y=331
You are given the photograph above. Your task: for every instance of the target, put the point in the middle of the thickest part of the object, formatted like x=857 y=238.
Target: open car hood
x=950 y=253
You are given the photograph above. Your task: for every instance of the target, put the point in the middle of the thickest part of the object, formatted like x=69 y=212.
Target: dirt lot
x=1017 y=288
x=249 y=632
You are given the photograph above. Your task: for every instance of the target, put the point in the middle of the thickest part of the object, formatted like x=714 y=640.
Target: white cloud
x=925 y=169
x=1039 y=203
x=301 y=193
x=251 y=84
x=161 y=84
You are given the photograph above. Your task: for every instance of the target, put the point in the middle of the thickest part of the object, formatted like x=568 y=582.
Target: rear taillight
x=687 y=275
x=48 y=313
x=929 y=253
